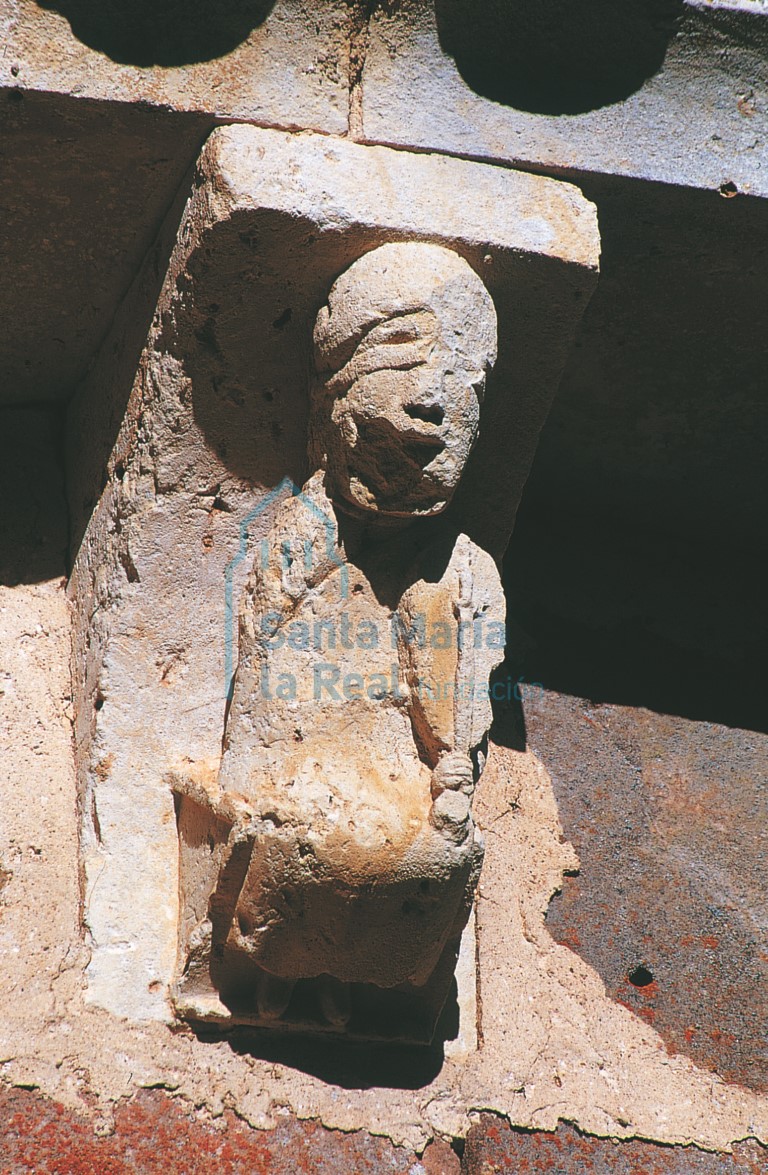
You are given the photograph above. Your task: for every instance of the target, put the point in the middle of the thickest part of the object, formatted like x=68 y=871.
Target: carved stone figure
x=328 y=879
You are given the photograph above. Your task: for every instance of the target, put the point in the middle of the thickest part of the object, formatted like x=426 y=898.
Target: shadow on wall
x=634 y=567
x=350 y=1064
x=162 y=32
x=33 y=509
x=557 y=56
x=618 y=614
x=638 y=621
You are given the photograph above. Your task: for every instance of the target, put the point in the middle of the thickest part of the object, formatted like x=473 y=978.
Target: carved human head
x=402 y=350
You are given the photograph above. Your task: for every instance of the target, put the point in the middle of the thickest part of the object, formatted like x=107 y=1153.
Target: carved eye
x=405 y=328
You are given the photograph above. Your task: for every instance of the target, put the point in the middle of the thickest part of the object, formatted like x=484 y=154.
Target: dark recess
x=632 y=617
x=33 y=511
x=162 y=32
x=557 y=56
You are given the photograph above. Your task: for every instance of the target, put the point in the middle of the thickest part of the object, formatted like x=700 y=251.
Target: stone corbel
x=411 y=315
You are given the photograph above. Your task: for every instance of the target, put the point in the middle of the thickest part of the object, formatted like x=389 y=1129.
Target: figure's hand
x=450 y=815
x=454 y=772
x=453 y=782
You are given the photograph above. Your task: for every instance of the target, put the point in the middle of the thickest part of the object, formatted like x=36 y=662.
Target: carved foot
x=334 y=1000
x=273 y=995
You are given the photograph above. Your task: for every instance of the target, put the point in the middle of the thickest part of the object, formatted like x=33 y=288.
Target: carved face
x=402 y=351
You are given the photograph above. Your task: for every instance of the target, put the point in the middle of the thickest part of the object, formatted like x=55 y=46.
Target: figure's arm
x=299 y=552
x=456 y=626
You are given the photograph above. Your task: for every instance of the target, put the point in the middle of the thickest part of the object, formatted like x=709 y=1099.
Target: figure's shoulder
x=456 y=562
x=309 y=508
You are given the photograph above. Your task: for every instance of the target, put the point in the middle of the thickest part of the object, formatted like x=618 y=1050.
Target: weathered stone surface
x=280 y=62
x=38 y=847
x=154 y=1133
x=217 y=415
x=553 y=1043
x=493 y=1148
x=634 y=92
x=666 y=392
x=40 y=944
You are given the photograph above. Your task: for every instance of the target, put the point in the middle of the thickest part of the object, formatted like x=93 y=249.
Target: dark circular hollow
x=162 y=32
x=557 y=56
x=640 y=976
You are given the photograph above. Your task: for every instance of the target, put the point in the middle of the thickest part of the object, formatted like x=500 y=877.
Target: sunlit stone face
x=401 y=354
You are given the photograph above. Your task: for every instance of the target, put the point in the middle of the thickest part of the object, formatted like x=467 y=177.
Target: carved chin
x=413 y=493
x=421 y=505
x=404 y=477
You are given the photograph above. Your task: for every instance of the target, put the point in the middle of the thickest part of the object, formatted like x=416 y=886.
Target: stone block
x=154 y=1133
x=280 y=62
x=665 y=92
x=669 y=819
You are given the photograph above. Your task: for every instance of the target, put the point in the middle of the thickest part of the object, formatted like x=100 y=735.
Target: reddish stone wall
x=494 y=1148
x=153 y=1133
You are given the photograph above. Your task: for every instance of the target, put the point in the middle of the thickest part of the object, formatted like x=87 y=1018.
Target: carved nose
x=431 y=413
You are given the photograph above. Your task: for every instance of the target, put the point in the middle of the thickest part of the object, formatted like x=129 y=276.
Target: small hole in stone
x=728 y=189
x=98 y=701
x=155 y=986
x=283 y=319
x=429 y=413
x=640 y=976
x=357 y=589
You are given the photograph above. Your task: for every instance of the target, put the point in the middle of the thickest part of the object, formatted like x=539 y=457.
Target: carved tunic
x=353 y=679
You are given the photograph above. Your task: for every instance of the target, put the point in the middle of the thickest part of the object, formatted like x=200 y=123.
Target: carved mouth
x=393 y=464
x=383 y=446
